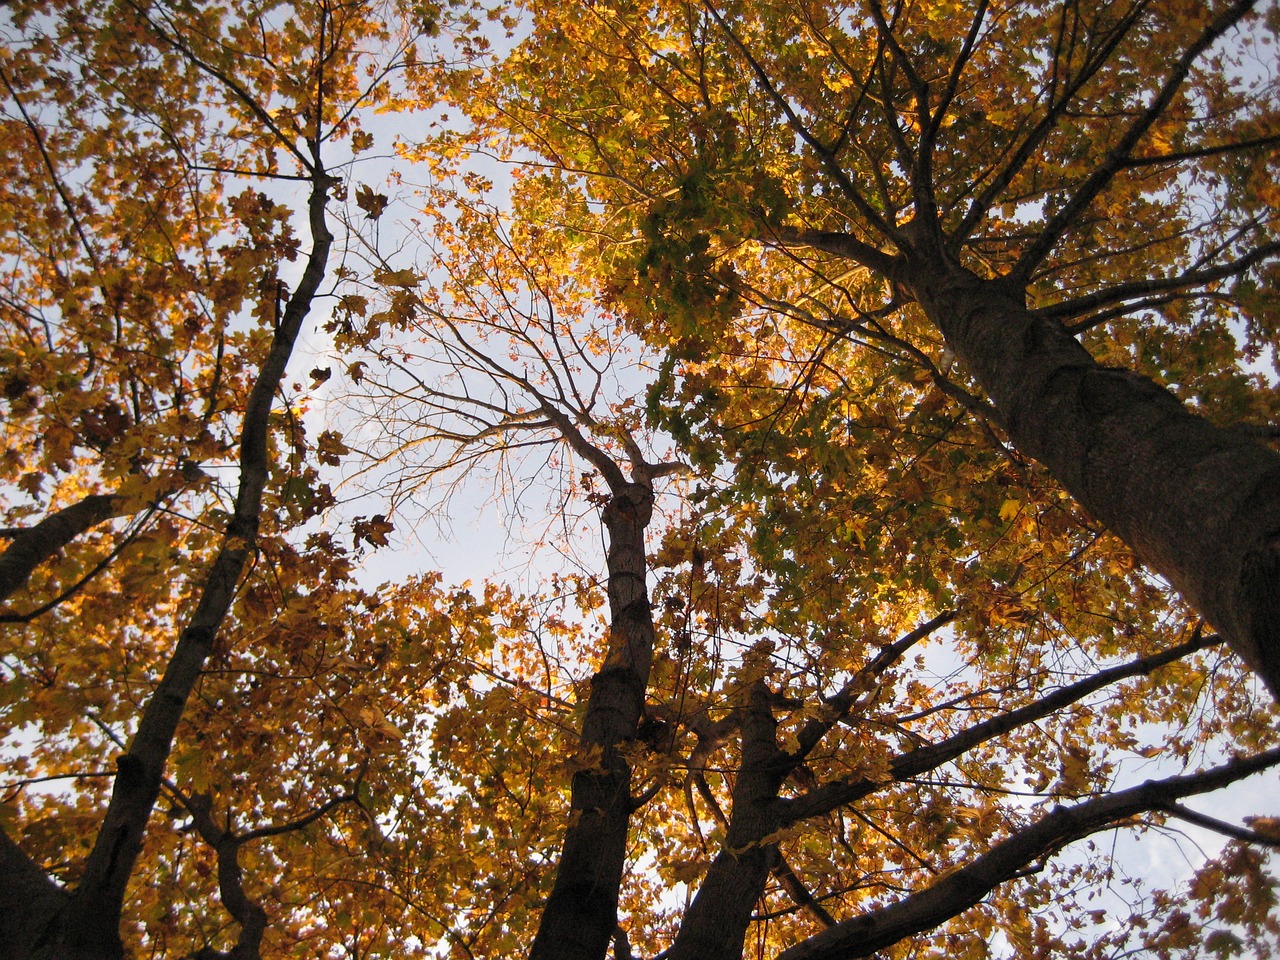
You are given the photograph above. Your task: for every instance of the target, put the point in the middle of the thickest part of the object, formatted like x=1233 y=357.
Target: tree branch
x=829 y=162
x=842 y=703
x=958 y=891
x=1214 y=150
x=1218 y=826
x=246 y=911
x=1054 y=111
x=34 y=545
x=1123 y=292
x=260 y=113
x=836 y=793
x=26 y=892
x=1117 y=157
x=800 y=894
x=841 y=244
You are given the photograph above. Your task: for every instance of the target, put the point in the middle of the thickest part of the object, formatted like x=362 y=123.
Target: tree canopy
x=883 y=399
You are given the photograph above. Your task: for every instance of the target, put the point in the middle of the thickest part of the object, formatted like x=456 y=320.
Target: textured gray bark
x=1198 y=504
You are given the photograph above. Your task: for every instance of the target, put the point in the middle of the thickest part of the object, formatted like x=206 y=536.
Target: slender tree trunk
x=715 y=925
x=1198 y=504
x=581 y=915
x=84 y=923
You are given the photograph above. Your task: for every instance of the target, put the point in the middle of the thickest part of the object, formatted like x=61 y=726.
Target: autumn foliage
x=876 y=403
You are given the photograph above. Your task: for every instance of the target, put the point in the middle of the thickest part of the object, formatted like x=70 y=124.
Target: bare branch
x=827 y=797
x=1124 y=292
x=1218 y=826
x=842 y=703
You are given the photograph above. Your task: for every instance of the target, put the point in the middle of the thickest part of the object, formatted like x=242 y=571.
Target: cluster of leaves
x=157 y=273
x=875 y=670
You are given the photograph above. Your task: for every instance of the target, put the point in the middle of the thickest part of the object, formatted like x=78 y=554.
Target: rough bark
x=715 y=925
x=581 y=915
x=1198 y=504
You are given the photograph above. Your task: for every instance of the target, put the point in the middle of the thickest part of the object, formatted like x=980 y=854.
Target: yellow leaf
x=397 y=278
x=1266 y=827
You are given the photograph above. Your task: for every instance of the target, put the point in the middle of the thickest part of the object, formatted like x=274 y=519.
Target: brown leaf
x=371 y=203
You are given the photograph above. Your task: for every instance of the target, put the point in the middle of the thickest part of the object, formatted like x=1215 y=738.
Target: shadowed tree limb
x=958 y=891
x=246 y=911
x=1122 y=293
x=26 y=891
x=827 y=797
x=33 y=545
x=1059 y=101
x=800 y=894
x=842 y=703
x=716 y=921
x=226 y=845
x=1218 y=826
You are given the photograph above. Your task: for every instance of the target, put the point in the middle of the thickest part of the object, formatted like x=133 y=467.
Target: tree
x=734 y=774
x=851 y=674
x=186 y=658
x=997 y=177
x=1024 y=175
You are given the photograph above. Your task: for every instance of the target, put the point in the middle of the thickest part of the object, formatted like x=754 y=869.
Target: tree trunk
x=581 y=914
x=715 y=925
x=29 y=901
x=1198 y=504
x=85 y=924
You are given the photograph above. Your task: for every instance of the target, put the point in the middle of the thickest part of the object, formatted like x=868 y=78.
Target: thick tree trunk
x=29 y=901
x=581 y=914
x=1198 y=504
